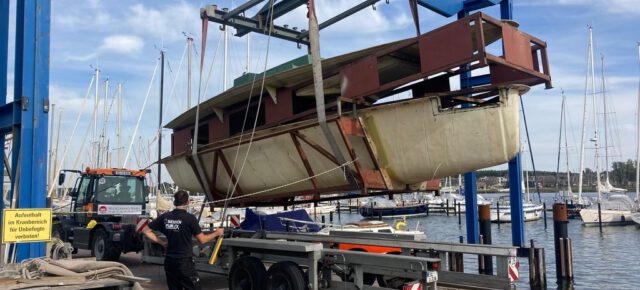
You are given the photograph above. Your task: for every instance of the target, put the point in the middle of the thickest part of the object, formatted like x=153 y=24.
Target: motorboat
x=502 y=212
x=388 y=208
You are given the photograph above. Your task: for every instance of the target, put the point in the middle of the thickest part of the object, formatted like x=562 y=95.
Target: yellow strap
x=216 y=249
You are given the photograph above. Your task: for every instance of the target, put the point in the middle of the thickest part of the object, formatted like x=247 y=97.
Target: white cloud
x=165 y=23
x=122 y=44
x=116 y=44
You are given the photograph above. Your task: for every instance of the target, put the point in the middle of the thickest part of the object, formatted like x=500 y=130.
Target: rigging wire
x=255 y=122
x=144 y=104
x=533 y=164
x=73 y=132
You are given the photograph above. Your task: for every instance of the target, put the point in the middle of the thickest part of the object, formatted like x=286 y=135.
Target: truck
x=106 y=205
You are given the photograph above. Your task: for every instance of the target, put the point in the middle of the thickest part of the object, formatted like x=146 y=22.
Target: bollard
x=544 y=214
x=484 y=221
x=599 y=217
x=562 y=245
x=447 y=207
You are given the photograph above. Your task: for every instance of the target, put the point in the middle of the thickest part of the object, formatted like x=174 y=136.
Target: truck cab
x=106 y=205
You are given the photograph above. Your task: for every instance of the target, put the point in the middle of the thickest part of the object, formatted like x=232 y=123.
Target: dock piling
x=460 y=216
x=485 y=263
x=447 y=207
x=562 y=244
x=600 y=217
x=544 y=214
x=498 y=212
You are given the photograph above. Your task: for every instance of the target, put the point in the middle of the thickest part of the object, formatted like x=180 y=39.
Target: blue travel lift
x=463 y=8
x=26 y=118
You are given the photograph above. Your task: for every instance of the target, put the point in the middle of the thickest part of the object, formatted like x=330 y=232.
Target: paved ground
x=156 y=273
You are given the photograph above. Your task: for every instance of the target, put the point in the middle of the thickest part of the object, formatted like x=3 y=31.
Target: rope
x=144 y=104
x=229 y=196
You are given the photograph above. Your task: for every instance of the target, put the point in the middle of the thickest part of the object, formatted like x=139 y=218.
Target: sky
x=123 y=40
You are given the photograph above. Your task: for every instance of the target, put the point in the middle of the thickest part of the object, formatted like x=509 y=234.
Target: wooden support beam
x=227 y=168
x=317 y=147
x=305 y=160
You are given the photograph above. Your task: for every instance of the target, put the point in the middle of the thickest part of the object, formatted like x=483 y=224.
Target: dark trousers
x=181 y=274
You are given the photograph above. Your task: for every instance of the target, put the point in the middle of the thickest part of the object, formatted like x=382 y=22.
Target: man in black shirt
x=180 y=226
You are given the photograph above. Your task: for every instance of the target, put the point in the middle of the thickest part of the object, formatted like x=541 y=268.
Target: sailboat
x=612 y=209
x=574 y=204
x=606 y=187
x=636 y=216
x=531 y=211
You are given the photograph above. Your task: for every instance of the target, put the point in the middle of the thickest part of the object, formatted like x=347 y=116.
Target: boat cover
x=273 y=222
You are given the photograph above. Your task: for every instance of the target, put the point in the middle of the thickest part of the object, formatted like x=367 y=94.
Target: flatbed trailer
x=325 y=264
x=250 y=254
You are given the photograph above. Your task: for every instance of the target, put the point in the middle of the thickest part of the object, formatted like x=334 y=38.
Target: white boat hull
x=609 y=217
x=531 y=212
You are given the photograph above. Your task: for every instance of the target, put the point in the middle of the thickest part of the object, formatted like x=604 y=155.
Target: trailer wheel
x=285 y=276
x=247 y=273
x=103 y=249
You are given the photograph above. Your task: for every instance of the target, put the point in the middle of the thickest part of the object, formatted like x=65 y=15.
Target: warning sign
x=26 y=225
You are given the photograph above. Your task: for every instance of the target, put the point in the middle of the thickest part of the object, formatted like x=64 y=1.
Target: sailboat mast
x=638 y=139
x=190 y=48
x=566 y=147
x=92 y=160
x=606 y=128
x=226 y=51
x=51 y=122
x=103 y=138
x=160 y=117
x=595 y=115
x=246 y=69
x=119 y=124
x=584 y=121
x=560 y=144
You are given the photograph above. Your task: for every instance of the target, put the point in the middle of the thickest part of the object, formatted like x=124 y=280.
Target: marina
x=307 y=145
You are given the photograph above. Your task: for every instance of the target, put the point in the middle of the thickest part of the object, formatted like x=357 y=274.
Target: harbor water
x=600 y=260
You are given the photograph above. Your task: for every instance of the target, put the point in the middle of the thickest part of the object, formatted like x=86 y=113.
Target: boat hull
x=609 y=217
x=405 y=211
x=530 y=213
x=394 y=146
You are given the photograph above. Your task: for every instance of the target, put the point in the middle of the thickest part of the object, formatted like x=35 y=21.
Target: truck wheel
x=247 y=273
x=285 y=276
x=103 y=249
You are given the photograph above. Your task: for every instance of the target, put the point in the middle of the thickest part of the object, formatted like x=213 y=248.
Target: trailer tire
x=103 y=249
x=247 y=273
x=286 y=275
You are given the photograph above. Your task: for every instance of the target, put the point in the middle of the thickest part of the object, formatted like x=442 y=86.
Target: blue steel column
x=4 y=56
x=515 y=172
x=470 y=189
x=32 y=86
